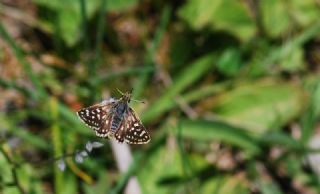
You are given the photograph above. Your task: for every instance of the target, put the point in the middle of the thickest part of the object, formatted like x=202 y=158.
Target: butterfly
x=114 y=118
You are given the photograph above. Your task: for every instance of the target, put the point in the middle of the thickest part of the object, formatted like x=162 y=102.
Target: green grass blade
x=297 y=42
x=309 y=120
x=282 y=139
x=149 y=60
x=30 y=138
x=189 y=75
x=203 y=130
x=57 y=145
x=197 y=94
x=92 y=68
x=84 y=25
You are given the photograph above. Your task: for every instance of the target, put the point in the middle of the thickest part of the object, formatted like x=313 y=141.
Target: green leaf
x=197 y=12
x=229 y=62
x=203 y=130
x=69 y=21
x=305 y=12
x=275 y=17
x=260 y=106
x=279 y=16
x=294 y=60
x=229 y=15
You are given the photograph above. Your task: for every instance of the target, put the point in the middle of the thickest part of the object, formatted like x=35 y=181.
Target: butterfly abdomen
x=119 y=113
x=116 y=120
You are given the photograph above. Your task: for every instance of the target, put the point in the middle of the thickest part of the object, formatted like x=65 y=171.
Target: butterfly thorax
x=120 y=108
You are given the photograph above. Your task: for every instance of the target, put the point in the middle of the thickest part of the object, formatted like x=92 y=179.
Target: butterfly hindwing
x=135 y=133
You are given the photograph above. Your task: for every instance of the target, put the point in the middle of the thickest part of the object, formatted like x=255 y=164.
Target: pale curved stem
x=123 y=158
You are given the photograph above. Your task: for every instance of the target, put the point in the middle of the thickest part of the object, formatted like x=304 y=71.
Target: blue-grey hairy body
x=119 y=113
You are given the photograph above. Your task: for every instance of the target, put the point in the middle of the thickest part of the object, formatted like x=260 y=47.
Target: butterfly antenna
x=143 y=102
x=135 y=99
x=120 y=91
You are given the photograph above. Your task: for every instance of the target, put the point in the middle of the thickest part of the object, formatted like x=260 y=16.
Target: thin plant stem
x=84 y=24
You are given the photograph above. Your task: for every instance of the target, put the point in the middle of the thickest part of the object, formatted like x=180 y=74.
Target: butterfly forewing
x=104 y=130
x=136 y=133
x=95 y=116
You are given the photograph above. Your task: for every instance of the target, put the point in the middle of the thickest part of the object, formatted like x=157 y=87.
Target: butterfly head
x=126 y=97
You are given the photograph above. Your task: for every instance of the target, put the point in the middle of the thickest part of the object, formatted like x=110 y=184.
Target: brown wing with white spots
x=96 y=117
x=135 y=132
x=105 y=129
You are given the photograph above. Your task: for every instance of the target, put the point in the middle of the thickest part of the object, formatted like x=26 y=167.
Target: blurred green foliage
x=232 y=91
x=235 y=20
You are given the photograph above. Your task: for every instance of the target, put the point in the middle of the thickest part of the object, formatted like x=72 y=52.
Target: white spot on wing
x=142 y=133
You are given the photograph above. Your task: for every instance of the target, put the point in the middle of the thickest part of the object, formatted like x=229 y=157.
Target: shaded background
x=231 y=89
